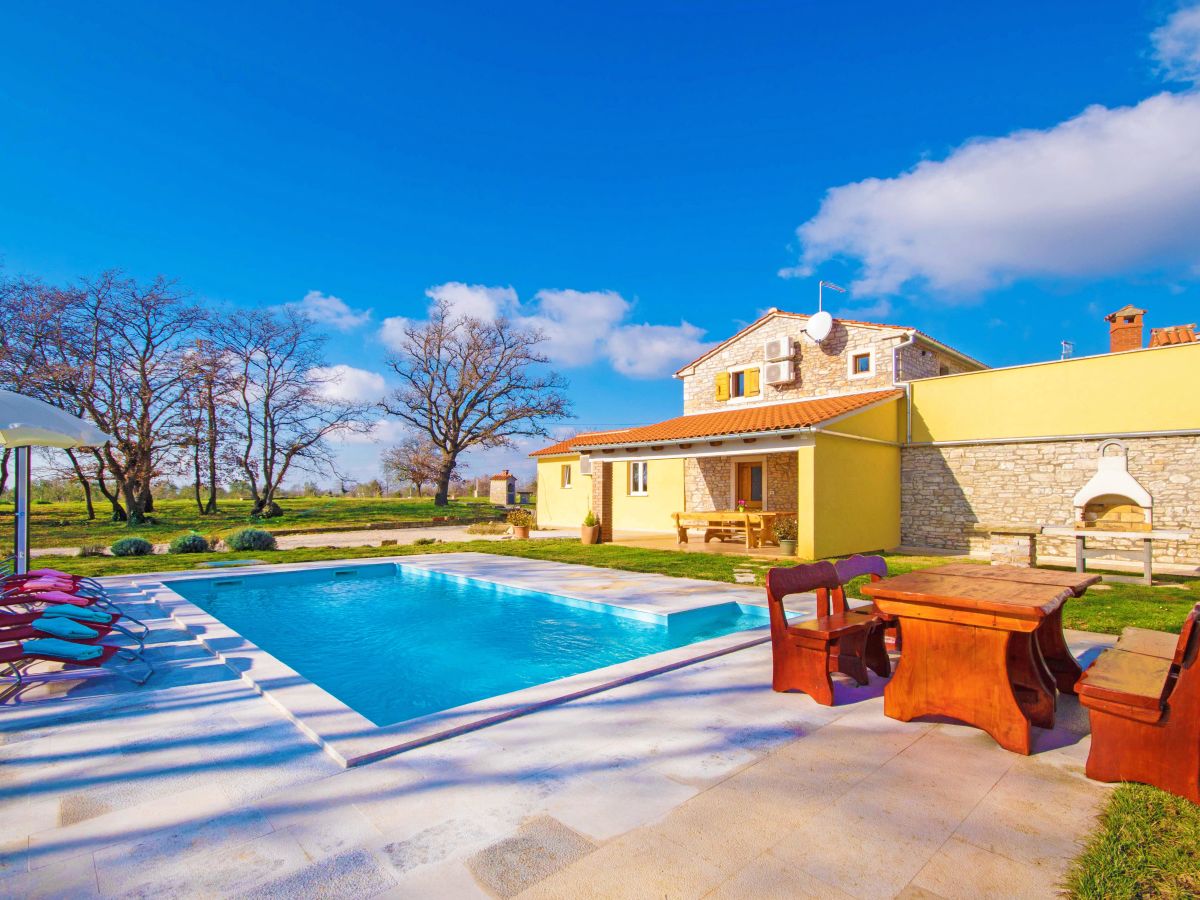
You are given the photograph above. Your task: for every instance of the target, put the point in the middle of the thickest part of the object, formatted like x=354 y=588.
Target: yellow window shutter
x=722 y=385
x=752 y=382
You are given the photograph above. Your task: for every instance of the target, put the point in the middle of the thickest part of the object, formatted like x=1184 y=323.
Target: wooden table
x=758 y=527
x=982 y=644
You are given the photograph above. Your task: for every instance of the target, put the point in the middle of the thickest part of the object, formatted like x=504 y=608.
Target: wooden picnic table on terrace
x=757 y=526
x=982 y=644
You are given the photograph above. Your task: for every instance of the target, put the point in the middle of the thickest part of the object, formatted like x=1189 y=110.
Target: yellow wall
x=653 y=511
x=558 y=507
x=883 y=423
x=1142 y=390
x=848 y=497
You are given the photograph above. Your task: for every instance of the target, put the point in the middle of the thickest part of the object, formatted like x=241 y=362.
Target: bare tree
x=118 y=356
x=206 y=413
x=469 y=383
x=284 y=410
x=416 y=460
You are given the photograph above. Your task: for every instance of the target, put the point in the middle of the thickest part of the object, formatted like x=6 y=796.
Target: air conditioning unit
x=778 y=349
x=779 y=372
x=585 y=464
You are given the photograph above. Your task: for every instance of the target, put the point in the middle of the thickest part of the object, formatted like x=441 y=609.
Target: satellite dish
x=819 y=325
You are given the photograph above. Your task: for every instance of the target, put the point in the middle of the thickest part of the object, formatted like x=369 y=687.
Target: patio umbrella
x=27 y=422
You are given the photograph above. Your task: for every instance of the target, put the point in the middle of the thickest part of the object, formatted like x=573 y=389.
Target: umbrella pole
x=21 y=492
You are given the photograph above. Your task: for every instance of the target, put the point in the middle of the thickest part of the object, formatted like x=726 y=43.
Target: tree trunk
x=445 y=470
x=133 y=494
x=196 y=465
x=210 y=507
x=4 y=469
x=118 y=511
x=85 y=482
x=145 y=499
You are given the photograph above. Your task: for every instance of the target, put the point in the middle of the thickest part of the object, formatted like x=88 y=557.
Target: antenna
x=1068 y=348
x=831 y=286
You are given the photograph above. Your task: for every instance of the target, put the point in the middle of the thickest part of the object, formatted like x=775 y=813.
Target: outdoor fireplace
x=1113 y=500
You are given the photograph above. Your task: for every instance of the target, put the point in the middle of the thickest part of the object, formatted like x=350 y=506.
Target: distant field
x=66 y=524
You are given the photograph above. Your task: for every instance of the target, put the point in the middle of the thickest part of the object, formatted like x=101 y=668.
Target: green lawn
x=1105 y=610
x=66 y=525
x=1147 y=846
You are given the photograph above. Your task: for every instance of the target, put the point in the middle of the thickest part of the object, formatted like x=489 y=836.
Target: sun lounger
x=68 y=653
x=87 y=615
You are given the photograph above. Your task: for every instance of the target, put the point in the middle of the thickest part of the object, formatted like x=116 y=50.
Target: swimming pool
x=395 y=643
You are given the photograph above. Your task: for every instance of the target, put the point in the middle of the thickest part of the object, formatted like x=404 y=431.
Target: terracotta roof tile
x=1174 y=334
x=743 y=420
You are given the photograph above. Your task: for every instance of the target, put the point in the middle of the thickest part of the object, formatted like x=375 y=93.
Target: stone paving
x=697 y=782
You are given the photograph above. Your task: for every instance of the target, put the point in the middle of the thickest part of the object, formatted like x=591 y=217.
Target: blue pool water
x=395 y=643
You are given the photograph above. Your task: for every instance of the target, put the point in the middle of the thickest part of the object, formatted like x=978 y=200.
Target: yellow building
x=878 y=435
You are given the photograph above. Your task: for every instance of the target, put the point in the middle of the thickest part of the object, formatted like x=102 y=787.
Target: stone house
x=879 y=435
x=502 y=490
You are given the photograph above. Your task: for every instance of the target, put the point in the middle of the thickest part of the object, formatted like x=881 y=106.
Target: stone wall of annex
x=947 y=490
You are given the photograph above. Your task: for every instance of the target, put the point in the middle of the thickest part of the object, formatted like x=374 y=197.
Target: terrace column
x=602 y=497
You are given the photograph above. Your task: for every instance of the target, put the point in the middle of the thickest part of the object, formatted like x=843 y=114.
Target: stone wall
x=946 y=491
x=821 y=369
x=708 y=482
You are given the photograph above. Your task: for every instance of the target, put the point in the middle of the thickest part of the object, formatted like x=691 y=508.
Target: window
x=736 y=384
x=566 y=476
x=639 y=478
x=861 y=364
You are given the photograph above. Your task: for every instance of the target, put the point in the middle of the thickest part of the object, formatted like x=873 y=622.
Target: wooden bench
x=838 y=640
x=1143 y=697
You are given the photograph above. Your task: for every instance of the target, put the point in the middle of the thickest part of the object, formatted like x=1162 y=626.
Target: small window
x=737 y=384
x=860 y=365
x=639 y=478
x=566 y=476
x=943 y=370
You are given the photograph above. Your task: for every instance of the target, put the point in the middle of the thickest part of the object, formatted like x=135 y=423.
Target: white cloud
x=579 y=327
x=1177 y=45
x=348 y=384
x=651 y=351
x=576 y=324
x=475 y=300
x=391 y=332
x=383 y=431
x=1109 y=191
x=332 y=311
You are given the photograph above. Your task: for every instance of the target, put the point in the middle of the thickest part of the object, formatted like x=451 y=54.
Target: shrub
x=131 y=546
x=424 y=542
x=589 y=521
x=190 y=543
x=785 y=529
x=487 y=528
x=251 y=539
x=520 y=518
x=93 y=550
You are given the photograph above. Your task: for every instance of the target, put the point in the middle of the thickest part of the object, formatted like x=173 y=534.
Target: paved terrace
x=698 y=782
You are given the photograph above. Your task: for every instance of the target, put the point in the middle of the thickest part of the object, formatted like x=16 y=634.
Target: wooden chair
x=805 y=653
x=1145 y=710
x=855 y=567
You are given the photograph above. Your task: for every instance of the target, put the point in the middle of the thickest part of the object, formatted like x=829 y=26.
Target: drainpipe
x=907 y=342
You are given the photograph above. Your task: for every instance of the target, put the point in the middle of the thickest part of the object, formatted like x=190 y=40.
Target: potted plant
x=741 y=506
x=521 y=521
x=785 y=530
x=589 y=532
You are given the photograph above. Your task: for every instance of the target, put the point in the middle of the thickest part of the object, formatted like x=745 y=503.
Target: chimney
x=1125 y=329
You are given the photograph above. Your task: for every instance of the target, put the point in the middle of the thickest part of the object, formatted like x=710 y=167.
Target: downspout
x=907 y=342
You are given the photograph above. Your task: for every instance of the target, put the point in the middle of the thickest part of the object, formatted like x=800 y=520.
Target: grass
x=66 y=525
x=1147 y=847
x=1107 y=610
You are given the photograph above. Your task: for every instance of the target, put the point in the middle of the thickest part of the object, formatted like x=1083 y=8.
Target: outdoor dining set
x=984 y=645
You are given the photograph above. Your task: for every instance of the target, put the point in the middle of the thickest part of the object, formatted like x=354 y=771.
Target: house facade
x=878 y=436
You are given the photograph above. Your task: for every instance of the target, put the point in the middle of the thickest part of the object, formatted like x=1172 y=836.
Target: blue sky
x=637 y=164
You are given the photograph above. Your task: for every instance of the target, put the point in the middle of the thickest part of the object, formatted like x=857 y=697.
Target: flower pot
x=520 y=532
x=787 y=548
x=589 y=534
